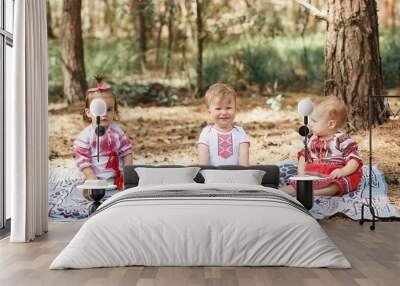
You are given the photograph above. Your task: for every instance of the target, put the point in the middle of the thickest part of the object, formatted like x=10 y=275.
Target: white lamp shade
x=98 y=107
x=305 y=107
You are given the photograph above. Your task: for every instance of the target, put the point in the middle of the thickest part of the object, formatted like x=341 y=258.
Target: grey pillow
x=249 y=177
x=166 y=176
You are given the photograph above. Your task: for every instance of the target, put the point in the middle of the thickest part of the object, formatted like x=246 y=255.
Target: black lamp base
x=96 y=195
x=93 y=207
x=100 y=130
x=304 y=131
x=304 y=193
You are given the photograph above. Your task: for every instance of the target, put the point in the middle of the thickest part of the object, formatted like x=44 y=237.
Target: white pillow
x=166 y=176
x=248 y=177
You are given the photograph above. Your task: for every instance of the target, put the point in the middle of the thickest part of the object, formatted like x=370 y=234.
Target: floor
x=5 y=231
x=374 y=255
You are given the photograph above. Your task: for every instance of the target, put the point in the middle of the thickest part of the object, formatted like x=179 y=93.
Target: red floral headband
x=100 y=86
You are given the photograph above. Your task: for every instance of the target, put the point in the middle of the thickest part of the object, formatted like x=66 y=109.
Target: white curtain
x=26 y=123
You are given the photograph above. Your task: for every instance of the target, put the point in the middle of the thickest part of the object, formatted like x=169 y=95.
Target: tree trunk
x=185 y=34
x=72 y=52
x=188 y=22
x=138 y=7
x=389 y=14
x=91 y=15
x=170 y=8
x=161 y=19
x=200 y=42
x=110 y=17
x=185 y=65
x=352 y=59
x=50 y=33
x=306 y=61
x=296 y=16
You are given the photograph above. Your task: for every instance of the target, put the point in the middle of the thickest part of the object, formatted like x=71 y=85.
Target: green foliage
x=263 y=65
x=55 y=74
x=308 y=64
x=292 y=62
x=115 y=59
x=216 y=69
x=289 y=60
x=275 y=102
x=264 y=61
x=390 y=55
x=133 y=93
x=274 y=25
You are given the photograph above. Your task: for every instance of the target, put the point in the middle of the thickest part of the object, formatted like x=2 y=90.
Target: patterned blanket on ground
x=350 y=203
x=67 y=204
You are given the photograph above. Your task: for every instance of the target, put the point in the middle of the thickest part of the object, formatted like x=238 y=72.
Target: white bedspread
x=268 y=228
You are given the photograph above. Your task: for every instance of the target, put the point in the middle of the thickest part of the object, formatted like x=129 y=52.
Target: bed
x=201 y=224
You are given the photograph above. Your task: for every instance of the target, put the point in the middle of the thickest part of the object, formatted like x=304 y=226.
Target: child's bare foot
x=289 y=190
x=331 y=190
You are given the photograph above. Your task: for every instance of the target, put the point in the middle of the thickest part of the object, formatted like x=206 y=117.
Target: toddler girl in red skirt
x=332 y=154
x=115 y=148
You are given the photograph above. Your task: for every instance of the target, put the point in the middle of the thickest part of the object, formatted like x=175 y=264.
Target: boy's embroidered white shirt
x=223 y=147
x=114 y=140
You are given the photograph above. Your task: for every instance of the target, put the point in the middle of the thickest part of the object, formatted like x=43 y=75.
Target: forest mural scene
x=160 y=56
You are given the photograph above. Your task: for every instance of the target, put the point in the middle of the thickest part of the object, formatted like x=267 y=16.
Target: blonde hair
x=335 y=109
x=219 y=92
x=103 y=91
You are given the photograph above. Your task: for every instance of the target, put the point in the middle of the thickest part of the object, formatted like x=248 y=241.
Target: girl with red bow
x=114 y=146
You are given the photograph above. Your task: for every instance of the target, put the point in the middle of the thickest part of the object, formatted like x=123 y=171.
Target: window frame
x=6 y=39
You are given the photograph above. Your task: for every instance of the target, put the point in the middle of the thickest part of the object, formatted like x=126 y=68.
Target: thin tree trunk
x=186 y=65
x=394 y=15
x=352 y=58
x=305 y=52
x=91 y=10
x=72 y=52
x=170 y=6
x=187 y=14
x=389 y=13
x=110 y=16
x=315 y=22
x=186 y=29
x=159 y=33
x=296 y=16
x=138 y=7
x=50 y=33
x=200 y=43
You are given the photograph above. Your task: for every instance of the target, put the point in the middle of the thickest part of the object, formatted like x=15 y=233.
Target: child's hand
x=91 y=177
x=89 y=173
x=338 y=173
x=301 y=167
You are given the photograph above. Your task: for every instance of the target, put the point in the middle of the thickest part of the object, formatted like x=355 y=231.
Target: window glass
x=2 y=110
x=9 y=15
x=8 y=89
x=1 y=13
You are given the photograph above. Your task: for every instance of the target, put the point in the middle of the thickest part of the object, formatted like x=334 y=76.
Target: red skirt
x=346 y=184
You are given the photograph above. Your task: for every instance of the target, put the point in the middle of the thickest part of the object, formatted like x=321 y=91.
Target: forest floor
x=167 y=135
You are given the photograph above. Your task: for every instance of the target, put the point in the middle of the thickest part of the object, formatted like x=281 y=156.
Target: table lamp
x=304 y=190
x=305 y=108
x=98 y=108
